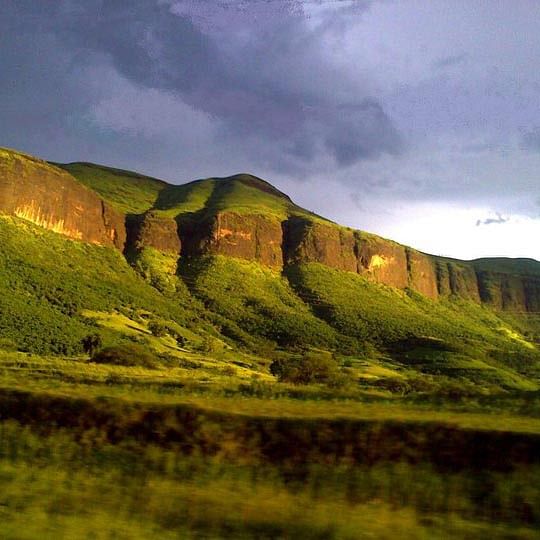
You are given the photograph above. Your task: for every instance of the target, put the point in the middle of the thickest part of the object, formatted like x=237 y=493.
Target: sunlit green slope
x=48 y=281
x=134 y=193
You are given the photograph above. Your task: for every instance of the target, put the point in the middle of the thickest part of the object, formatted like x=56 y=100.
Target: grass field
x=97 y=451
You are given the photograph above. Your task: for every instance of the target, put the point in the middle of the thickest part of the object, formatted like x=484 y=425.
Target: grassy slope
x=68 y=485
x=477 y=344
x=528 y=267
x=258 y=300
x=129 y=192
x=46 y=280
x=133 y=193
x=254 y=306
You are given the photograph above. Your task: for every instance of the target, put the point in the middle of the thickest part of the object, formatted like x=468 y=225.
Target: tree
x=308 y=368
x=91 y=343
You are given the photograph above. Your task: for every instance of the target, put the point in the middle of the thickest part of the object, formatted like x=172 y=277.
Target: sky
x=418 y=121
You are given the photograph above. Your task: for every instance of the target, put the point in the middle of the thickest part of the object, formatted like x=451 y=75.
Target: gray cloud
x=377 y=98
x=274 y=83
x=450 y=61
x=499 y=220
x=531 y=140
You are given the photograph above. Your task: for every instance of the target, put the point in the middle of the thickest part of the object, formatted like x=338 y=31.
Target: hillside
x=209 y=360
x=236 y=260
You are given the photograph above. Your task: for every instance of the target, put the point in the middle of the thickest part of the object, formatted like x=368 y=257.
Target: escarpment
x=307 y=241
x=382 y=260
x=243 y=217
x=251 y=237
x=51 y=198
x=422 y=273
x=151 y=230
x=456 y=278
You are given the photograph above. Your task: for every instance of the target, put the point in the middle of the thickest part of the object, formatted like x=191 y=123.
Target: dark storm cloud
x=40 y=83
x=362 y=131
x=273 y=83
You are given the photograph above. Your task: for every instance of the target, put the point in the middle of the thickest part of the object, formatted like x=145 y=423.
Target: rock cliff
x=245 y=217
x=457 y=278
x=308 y=241
x=151 y=230
x=51 y=198
x=252 y=237
x=422 y=273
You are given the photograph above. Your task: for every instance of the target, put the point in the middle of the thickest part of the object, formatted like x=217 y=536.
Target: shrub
x=308 y=368
x=157 y=328
x=393 y=384
x=91 y=343
x=126 y=355
x=7 y=344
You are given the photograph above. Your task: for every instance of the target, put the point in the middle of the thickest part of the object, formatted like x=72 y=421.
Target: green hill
x=133 y=193
x=129 y=192
x=211 y=360
x=233 y=264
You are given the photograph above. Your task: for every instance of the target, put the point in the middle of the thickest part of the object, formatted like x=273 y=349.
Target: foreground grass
x=245 y=389
x=103 y=452
x=64 y=487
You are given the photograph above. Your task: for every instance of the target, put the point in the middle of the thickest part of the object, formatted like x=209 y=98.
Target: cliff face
x=47 y=196
x=422 y=273
x=252 y=237
x=457 y=279
x=50 y=197
x=149 y=230
x=383 y=261
x=306 y=241
x=352 y=251
x=300 y=240
x=508 y=292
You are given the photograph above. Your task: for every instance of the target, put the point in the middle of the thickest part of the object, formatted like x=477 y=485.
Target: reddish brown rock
x=422 y=273
x=150 y=230
x=382 y=260
x=51 y=198
x=308 y=241
x=246 y=236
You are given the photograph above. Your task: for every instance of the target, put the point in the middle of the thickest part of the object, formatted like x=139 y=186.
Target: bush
x=393 y=384
x=305 y=369
x=91 y=343
x=158 y=329
x=126 y=355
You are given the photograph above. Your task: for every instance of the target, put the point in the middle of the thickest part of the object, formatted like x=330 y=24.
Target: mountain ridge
x=224 y=265
x=245 y=217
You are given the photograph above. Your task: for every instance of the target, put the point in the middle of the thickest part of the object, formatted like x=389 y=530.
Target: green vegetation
x=127 y=191
x=213 y=397
x=130 y=354
x=463 y=339
x=256 y=301
x=90 y=489
x=47 y=281
x=307 y=368
x=133 y=193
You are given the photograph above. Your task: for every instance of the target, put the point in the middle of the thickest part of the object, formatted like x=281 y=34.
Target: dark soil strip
x=284 y=441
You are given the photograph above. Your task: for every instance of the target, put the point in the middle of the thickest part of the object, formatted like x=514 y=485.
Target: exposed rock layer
x=252 y=237
x=47 y=196
x=52 y=198
x=149 y=230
